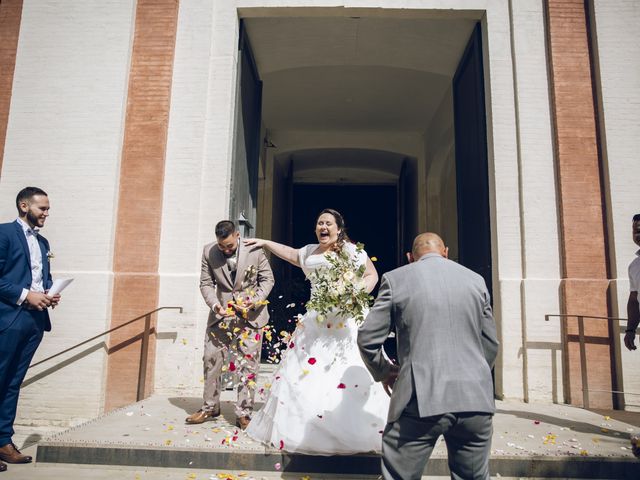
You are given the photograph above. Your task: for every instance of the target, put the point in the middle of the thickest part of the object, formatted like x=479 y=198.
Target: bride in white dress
x=322 y=400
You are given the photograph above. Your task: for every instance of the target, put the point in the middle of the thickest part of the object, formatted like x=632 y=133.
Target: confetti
x=342 y=385
x=277 y=466
x=374 y=259
x=311 y=361
x=281 y=444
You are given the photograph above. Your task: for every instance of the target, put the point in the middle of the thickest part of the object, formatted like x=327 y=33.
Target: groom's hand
x=221 y=312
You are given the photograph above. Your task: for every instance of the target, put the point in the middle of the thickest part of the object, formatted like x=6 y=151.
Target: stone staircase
x=530 y=441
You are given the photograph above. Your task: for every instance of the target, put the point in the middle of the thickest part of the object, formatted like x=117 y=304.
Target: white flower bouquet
x=339 y=288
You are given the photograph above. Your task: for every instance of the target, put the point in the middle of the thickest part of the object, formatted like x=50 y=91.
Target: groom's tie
x=232 y=264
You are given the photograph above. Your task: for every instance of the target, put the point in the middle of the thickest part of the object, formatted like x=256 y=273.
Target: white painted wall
x=618 y=44
x=197 y=178
x=441 y=201
x=538 y=211
x=65 y=135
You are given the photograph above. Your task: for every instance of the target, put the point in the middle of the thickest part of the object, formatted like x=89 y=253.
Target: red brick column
x=137 y=241
x=10 y=16
x=584 y=249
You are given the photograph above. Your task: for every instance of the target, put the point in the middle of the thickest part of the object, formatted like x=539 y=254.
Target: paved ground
x=522 y=433
x=520 y=429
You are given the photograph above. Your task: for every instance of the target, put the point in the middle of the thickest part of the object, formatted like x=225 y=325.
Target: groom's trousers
x=408 y=442
x=238 y=345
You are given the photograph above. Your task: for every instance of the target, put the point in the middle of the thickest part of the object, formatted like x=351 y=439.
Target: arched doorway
x=363 y=106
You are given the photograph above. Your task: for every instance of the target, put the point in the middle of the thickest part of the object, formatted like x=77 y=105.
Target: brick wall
x=10 y=13
x=137 y=241
x=584 y=256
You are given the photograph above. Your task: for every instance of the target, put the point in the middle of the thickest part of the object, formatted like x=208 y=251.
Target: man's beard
x=33 y=219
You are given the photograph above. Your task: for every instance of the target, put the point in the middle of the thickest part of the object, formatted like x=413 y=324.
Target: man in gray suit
x=447 y=346
x=235 y=282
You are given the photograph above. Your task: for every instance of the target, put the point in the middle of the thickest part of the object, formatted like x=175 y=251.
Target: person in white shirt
x=25 y=279
x=633 y=308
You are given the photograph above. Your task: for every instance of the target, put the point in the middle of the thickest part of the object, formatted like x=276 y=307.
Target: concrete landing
x=530 y=440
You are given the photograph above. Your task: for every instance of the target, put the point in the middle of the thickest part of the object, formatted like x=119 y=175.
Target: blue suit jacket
x=15 y=271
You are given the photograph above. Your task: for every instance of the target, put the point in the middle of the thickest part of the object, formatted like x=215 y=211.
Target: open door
x=472 y=175
x=244 y=181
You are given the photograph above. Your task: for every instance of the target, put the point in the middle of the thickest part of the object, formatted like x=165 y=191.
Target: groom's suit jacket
x=15 y=272
x=446 y=337
x=253 y=278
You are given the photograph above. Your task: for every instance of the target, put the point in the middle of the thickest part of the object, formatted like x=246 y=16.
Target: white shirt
x=634 y=273
x=35 y=254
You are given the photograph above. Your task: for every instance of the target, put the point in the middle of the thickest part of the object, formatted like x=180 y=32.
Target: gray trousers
x=225 y=345
x=408 y=442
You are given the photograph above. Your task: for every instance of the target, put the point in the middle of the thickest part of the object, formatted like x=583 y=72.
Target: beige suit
x=238 y=339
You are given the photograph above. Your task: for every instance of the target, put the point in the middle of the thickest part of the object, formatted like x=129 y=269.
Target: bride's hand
x=254 y=242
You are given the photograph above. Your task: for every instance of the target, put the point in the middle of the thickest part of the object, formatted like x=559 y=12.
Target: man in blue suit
x=25 y=279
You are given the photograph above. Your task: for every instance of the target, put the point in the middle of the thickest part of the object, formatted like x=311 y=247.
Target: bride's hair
x=342 y=236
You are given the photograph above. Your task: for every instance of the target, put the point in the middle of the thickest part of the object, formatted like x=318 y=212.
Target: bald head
x=428 y=243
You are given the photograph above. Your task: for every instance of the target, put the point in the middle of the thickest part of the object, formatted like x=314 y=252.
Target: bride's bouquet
x=339 y=287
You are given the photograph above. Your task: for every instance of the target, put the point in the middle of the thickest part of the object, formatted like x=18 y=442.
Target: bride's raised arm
x=283 y=251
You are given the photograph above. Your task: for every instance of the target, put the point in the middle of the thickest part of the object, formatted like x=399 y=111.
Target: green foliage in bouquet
x=339 y=287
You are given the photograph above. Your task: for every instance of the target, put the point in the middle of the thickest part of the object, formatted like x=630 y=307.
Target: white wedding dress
x=322 y=399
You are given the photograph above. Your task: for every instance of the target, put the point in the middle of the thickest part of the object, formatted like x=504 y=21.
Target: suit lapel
x=23 y=242
x=45 y=261
x=222 y=261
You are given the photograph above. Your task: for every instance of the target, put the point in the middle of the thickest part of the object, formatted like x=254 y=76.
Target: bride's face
x=326 y=229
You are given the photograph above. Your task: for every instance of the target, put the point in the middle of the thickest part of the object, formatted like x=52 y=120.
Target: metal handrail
x=144 y=351
x=583 y=349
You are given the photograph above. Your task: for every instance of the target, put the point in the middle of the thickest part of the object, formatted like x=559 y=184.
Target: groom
x=446 y=347
x=235 y=281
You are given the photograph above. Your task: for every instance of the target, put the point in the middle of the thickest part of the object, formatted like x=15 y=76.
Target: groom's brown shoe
x=202 y=416
x=243 y=422
x=10 y=454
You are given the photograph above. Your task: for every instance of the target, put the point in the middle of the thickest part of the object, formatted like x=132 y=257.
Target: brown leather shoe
x=242 y=422
x=3 y=467
x=202 y=416
x=10 y=454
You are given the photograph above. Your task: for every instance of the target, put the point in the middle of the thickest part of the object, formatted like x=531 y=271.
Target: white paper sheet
x=59 y=284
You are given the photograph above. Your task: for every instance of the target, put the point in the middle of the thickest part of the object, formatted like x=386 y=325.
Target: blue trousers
x=18 y=344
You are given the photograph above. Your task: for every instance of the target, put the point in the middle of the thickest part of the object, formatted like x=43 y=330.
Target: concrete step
x=546 y=441
x=110 y=472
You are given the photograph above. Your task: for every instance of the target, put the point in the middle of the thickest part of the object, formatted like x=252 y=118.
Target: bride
x=322 y=400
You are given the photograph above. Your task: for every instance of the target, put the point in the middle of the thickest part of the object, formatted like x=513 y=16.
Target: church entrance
x=378 y=114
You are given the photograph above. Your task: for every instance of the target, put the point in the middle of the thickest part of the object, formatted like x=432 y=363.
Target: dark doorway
x=370 y=213
x=472 y=176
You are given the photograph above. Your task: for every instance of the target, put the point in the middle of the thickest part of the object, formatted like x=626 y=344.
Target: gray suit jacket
x=446 y=337
x=254 y=278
